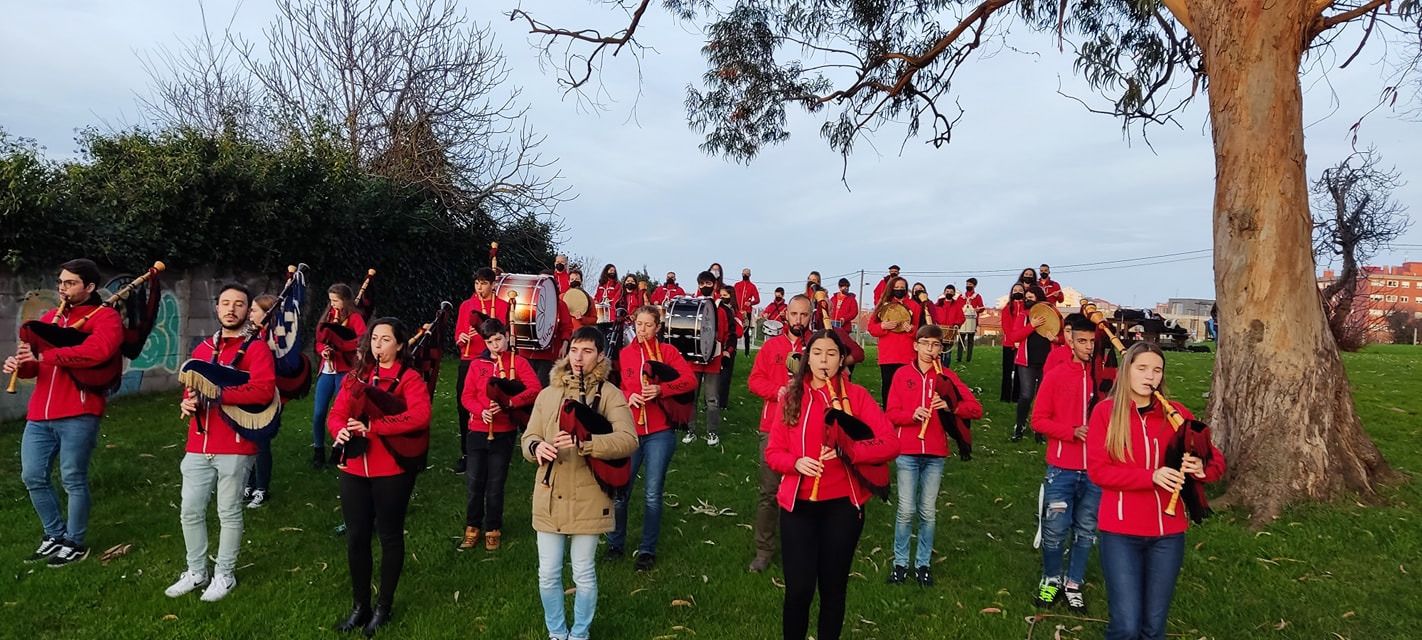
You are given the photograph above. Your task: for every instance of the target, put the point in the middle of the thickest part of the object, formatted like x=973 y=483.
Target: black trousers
x=728 y=369
x=886 y=378
x=1028 y=379
x=485 y=473
x=1009 y=378
x=817 y=542
x=375 y=505
x=459 y=406
x=541 y=368
x=965 y=340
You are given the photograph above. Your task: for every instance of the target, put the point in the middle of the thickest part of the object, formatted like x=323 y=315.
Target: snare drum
x=772 y=328
x=690 y=326
x=604 y=312
x=533 y=308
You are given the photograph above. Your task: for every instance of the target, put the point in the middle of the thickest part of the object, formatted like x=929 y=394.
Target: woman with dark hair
x=1028 y=277
x=608 y=289
x=894 y=327
x=259 y=482
x=336 y=356
x=1012 y=314
x=375 y=483
x=1030 y=358
x=830 y=446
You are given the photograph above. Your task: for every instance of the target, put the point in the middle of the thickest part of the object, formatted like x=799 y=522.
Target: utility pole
x=859 y=301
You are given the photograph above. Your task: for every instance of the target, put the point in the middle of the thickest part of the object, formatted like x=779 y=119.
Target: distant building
x=1382 y=291
x=1190 y=313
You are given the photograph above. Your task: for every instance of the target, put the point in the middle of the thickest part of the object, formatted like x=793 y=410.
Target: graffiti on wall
x=162 y=353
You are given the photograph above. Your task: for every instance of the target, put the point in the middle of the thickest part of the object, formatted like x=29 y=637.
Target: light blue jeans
x=203 y=476
x=655 y=451
x=919 y=478
x=550 y=583
x=327 y=384
x=72 y=440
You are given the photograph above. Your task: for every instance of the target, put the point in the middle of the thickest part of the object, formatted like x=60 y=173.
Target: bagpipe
x=958 y=429
x=366 y=401
x=842 y=431
x=207 y=379
x=820 y=318
x=426 y=347
x=104 y=378
x=363 y=303
x=582 y=421
x=282 y=329
x=501 y=391
x=1191 y=436
x=680 y=408
x=334 y=329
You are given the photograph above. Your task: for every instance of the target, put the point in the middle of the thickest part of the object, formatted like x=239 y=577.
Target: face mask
x=970 y=289
x=1046 y=276
x=629 y=285
x=745 y=276
x=948 y=296
x=1018 y=296
x=559 y=267
x=900 y=293
x=705 y=291
x=779 y=298
x=671 y=281
x=575 y=283
x=1029 y=303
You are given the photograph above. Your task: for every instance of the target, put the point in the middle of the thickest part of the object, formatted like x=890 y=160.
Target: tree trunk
x=1281 y=406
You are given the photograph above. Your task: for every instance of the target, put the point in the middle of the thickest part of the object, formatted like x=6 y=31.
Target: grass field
x=1325 y=571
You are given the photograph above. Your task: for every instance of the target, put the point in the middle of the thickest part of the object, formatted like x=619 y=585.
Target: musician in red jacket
x=479 y=307
x=885 y=282
x=668 y=290
x=831 y=447
x=895 y=336
x=218 y=458
x=335 y=354
x=1050 y=287
x=609 y=290
x=560 y=272
x=971 y=300
x=376 y=484
x=747 y=297
x=1030 y=358
x=649 y=398
x=916 y=408
x=589 y=317
x=1069 y=498
x=729 y=313
x=1012 y=315
x=708 y=376
x=775 y=310
x=844 y=307
x=950 y=314
x=62 y=420
x=542 y=359
x=1127 y=440
x=770 y=380
x=492 y=431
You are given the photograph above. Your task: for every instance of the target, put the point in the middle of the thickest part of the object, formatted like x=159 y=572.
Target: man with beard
x=769 y=379
x=218 y=458
x=884 y=284
x=1050 y=287
x=668 y=290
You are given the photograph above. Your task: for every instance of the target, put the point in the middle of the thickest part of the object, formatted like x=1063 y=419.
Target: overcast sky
x=1030 y=176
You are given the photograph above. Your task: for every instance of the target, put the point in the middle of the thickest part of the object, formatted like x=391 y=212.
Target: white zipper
x=1086 y=392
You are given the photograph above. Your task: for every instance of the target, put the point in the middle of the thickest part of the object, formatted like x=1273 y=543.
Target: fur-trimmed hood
x=562 y=376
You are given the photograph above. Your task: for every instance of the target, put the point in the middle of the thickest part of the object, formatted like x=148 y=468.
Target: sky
x=1030 y=176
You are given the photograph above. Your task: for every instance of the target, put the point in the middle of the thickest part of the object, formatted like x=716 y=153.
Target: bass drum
x=533 y=308
x=691 y=327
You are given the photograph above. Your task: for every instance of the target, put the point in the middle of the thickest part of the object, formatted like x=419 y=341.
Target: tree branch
x=1180 y=11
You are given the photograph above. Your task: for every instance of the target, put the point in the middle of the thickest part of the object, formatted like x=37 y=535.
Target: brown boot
x=491 y=540
x=471 y=538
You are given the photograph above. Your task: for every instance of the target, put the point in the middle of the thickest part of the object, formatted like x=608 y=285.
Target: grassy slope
x=1322 y=570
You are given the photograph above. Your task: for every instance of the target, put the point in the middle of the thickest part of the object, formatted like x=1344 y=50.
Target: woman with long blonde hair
x=1142 y=547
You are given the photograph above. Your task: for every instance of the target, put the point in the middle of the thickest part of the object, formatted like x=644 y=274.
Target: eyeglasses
x=930 y=344
x=69 y=283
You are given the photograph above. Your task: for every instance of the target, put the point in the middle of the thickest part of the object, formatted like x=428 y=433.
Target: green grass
x=1323 y=571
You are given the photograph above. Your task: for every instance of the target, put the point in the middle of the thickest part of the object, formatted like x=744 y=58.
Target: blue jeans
x=1071 y=500
x=1140 y=580
x=919 y=478
x=656 y=450
x=72 y=440
x=327 y=384
x=550 y=583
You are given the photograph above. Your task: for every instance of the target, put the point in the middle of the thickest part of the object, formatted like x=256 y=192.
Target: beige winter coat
x=572 y=502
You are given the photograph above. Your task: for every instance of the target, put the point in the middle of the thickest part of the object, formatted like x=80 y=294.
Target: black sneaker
x=1047 y=592
x=1017 y=433
x=899 y=575
x=460 y=466
x=48 y=546
x=69 y=553
x=246 y=494
x=1075 y=599
x=614 y=554
x=645 y=561
x=318 y=458
x=1041 y=439
x=925 y=577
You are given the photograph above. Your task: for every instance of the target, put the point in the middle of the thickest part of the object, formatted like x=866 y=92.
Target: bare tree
x=1287 y=425
x=202 y=85
x=1354 y=215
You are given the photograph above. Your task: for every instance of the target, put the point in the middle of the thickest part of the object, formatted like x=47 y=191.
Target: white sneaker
x=185 y=584
x=713 y=440
x=689 y=438
x=221 y=585
x=259 y=497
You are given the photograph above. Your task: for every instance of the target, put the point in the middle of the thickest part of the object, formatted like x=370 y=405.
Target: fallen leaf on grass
x=682 y=603
x=456 y=596
x=286 y=529
x=637 y=591
x=170 y=617
x=777 y=582
x=1348 y=614
x=990 y=610
x=1281 y=624
x=684 y=628
x=115 y=552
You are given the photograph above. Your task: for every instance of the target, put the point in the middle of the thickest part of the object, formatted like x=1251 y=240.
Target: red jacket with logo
x=652 y=418
x=491 y=307
x=1053 y=289
x=1131 y=503
x=667 y=292
x=844 y=308
x=790 y=442
x=775 y=311
x=208 y=432
x=609 y=292
x=895 y=347
x=769 y=374
x=56 y=395
x=345 y=349
x=475 y=395
x=912 y=389
x=1062 y=401
x=973 y=298
x=377 y=461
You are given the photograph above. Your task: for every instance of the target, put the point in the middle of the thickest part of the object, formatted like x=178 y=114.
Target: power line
x=1069 y=268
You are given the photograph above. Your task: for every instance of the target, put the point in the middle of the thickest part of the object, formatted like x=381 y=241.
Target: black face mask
x=576 y=284
x=1029 y=303
x=1018 y=296
x=1046 y=276
x=705 y=291
x=970 y=289
x=779 y=298
x=745 y=277
x=900 y=293
x=559 y=266
x=671 y=281
x=948 y=296
x=629 y=285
